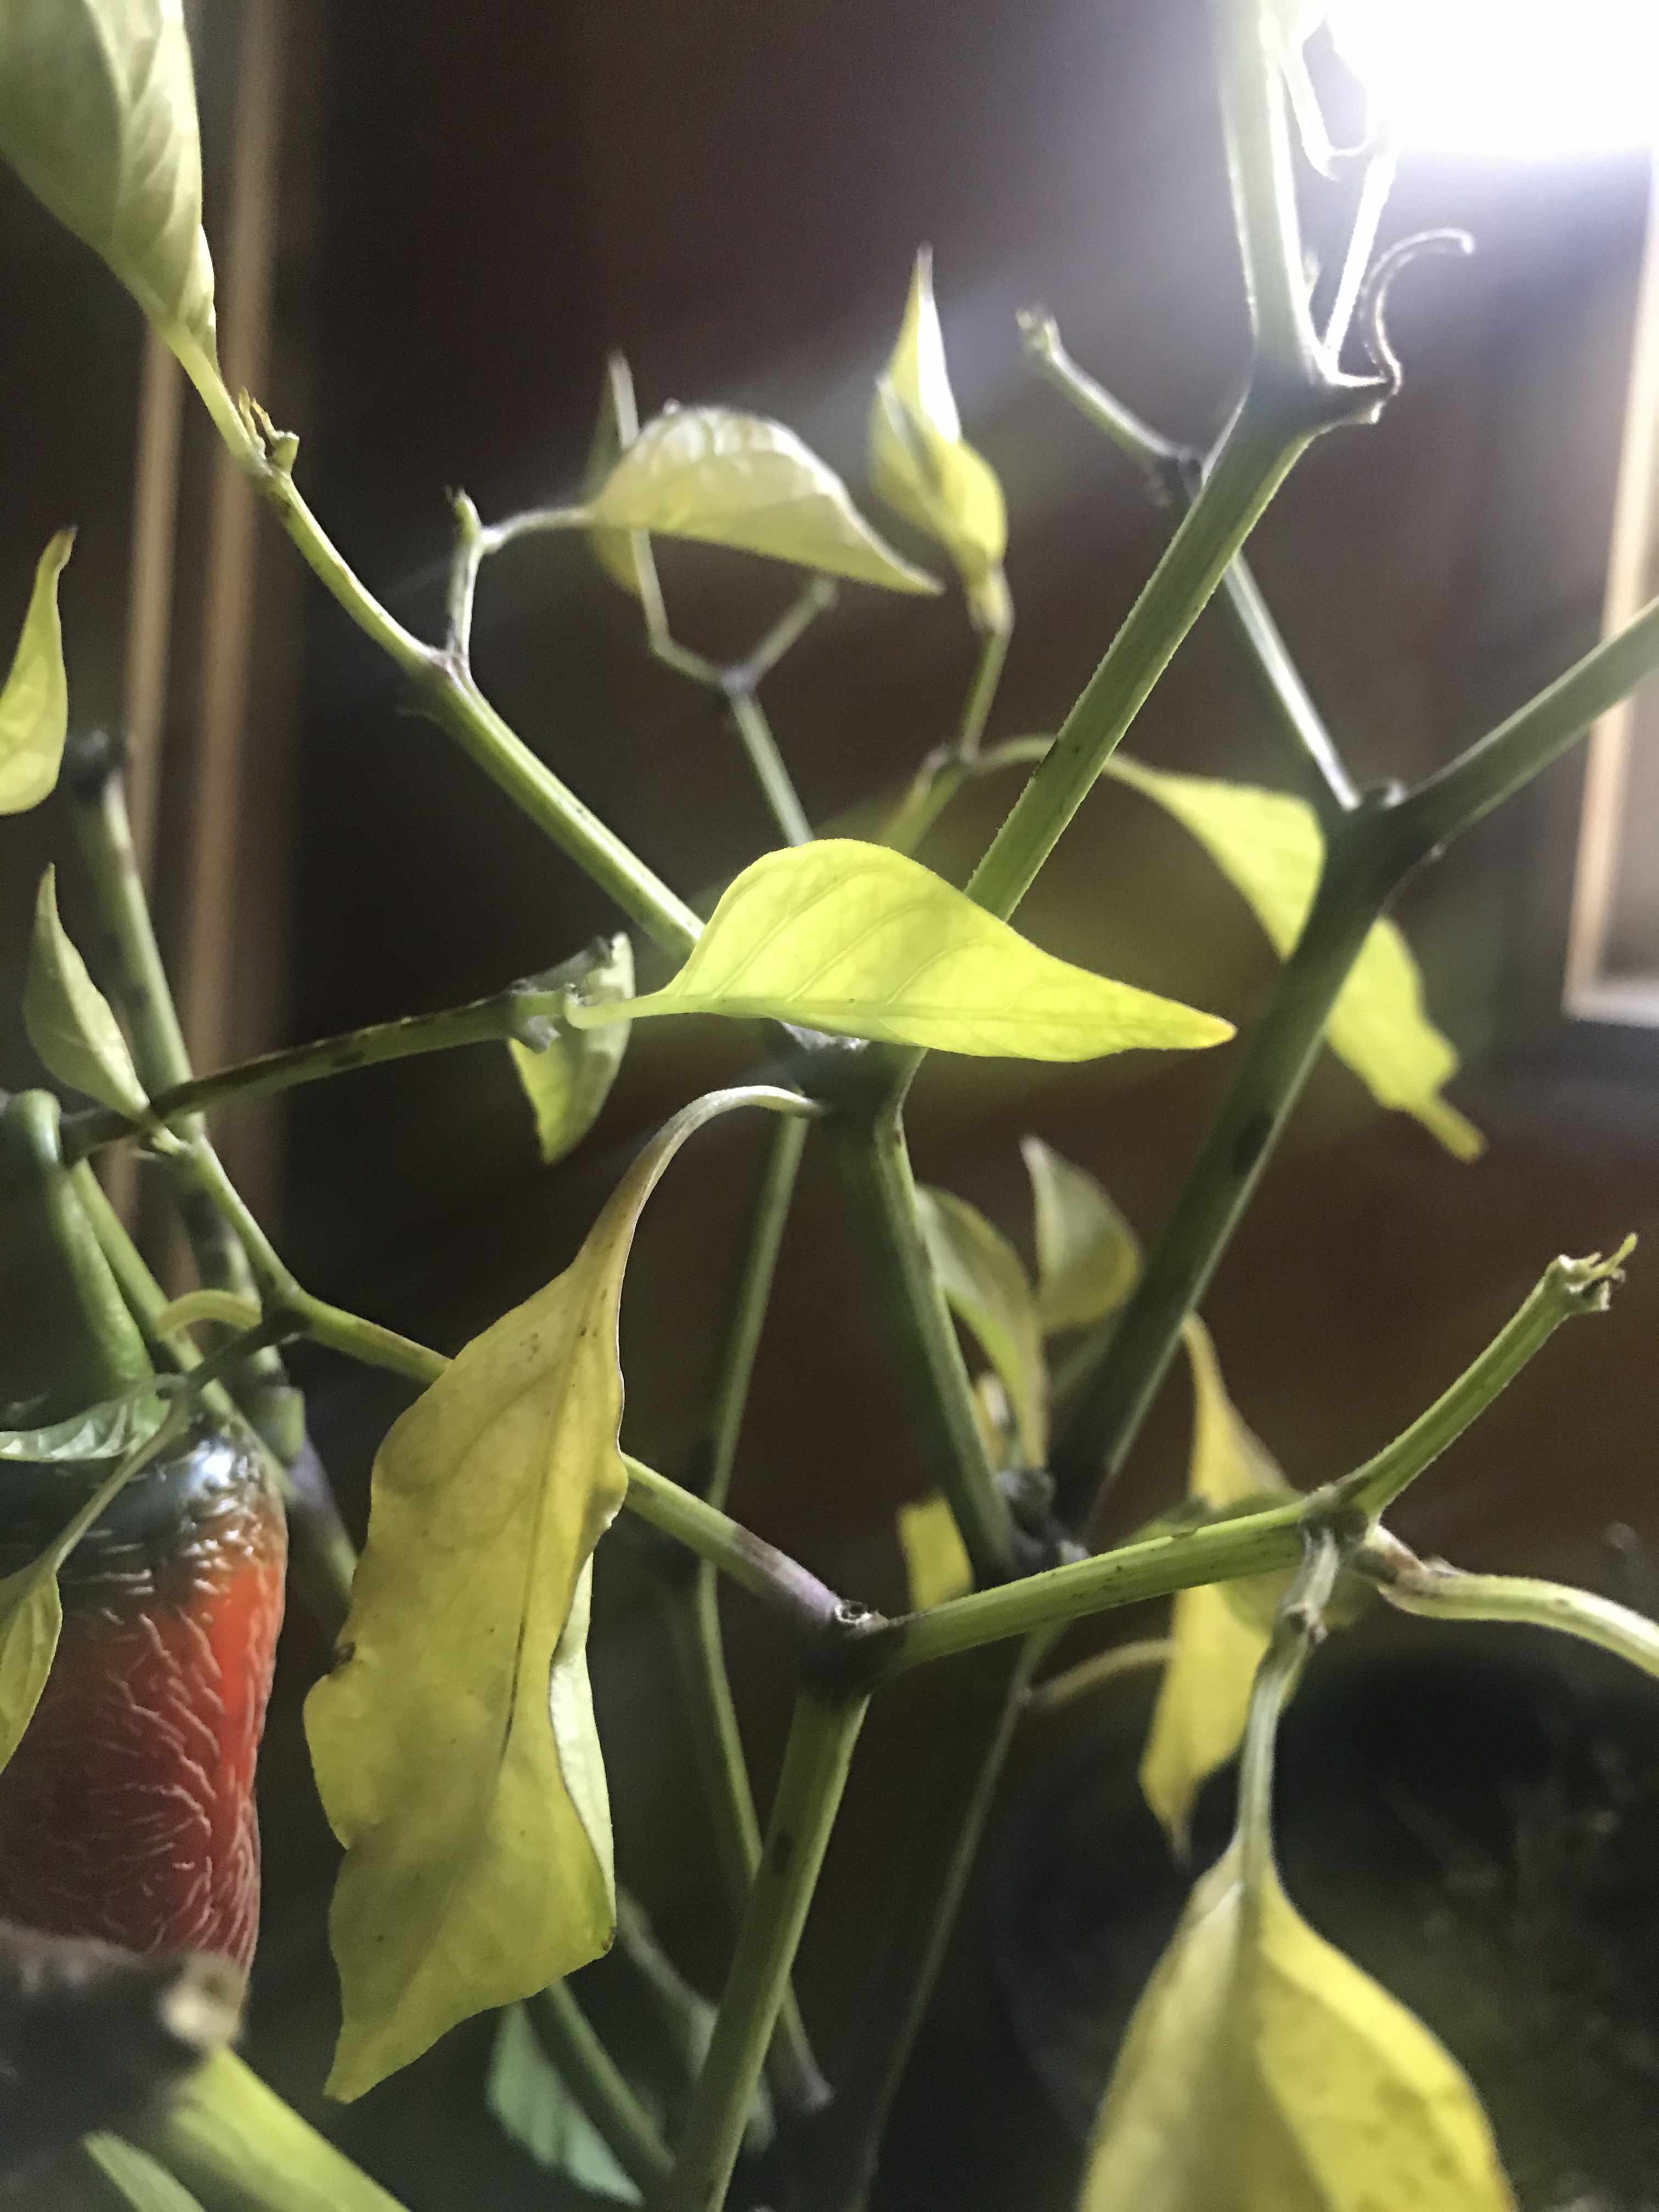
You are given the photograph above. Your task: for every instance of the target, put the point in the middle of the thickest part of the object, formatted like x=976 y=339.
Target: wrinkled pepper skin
x=127 y=1812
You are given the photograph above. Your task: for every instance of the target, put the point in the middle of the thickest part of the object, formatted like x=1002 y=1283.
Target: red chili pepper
x=127 y=1812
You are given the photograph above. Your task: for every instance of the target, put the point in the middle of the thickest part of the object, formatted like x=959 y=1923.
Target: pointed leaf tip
x=68 y=1020
x=34 y=704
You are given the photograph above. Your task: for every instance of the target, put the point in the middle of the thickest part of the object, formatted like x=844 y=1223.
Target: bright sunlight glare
x=1508 y=76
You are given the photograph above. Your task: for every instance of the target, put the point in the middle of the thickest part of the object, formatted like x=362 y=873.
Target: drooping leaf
x=624 y=555
x=1088 y=1257
x=527 y=2096
x=860 y=940
x=979 y=1273
x=1263 y=2072
x=103 y=1432
x=226 y=1309
x=452 y=1743
x=920 y=463
x=568 y=1079
x=34 y=704
x=936 y=1562
x=1217 y=1637
x=136 y=2178
x=98 y=117
x=239 y=2147
x=723 y=478
x=1268 y=846
x=69 y=1019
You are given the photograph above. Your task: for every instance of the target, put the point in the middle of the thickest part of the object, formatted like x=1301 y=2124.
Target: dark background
x=487 y=199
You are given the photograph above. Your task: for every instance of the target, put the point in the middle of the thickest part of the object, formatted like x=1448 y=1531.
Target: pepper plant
x=453 y=1739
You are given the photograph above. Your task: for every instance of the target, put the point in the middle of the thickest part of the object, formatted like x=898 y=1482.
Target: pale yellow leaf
x=34 y=704
x=858 y=940
x=984 y=1283
x=936 y=1562
x=920 y=464
x=722 y=479
x=69 y=1019
x=568 y=1079
x=453 y=1743
x=1263 y=2072
x=1268 y=846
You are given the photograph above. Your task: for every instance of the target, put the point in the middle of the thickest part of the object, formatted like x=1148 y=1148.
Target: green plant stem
x=817 y=597
x=1567 y=1287
x=600 y=2086
x=838 y=2152
x=749 y=719
x=1058 y=1691
x=983 y=691
x=715 y=1453
x=1334 y=303
x=447 y=693
x=875 y=1166
x=238 y=2148
x=821 y=1735
x=1439 y=1592
x=1499 y=764
x=1276 y=1056
x=483 y=1021
x=1298 y=1627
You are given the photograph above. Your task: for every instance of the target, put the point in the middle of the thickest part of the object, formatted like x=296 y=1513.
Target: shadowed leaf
x=527 y=2095
x=453 y=1743
x=1088 y=1257
x=34 y=704
x=979 y=1273
x=860 y=940
x=69 y=1019
x=568 y=1079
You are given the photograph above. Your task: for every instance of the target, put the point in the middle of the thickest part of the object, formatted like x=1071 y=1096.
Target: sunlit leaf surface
x=936 y=1562
x=34 y=704
x=1268 y=846
x=69 y=1019
x=453 y=1742
x=858 y=940
x=723 y=478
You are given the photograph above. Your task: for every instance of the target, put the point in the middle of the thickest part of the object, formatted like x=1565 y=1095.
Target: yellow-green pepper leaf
x=723 y=478
x=69 y=1019
x=98 y=117
x=920 y=464
x=453 y=1743
x=979 y=1273
x=239 y=2147
x=1088 y=1257
x=567 y=1079
x=528 y=2099
x=34 y=704
x=858 y=940
x=1263 y=2072
x=936 y=1562
x=1268 y=846
x=1217 y=1638
x=624 y=555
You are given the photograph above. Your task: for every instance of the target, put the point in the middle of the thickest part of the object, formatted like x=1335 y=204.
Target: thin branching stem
x=599 y=2086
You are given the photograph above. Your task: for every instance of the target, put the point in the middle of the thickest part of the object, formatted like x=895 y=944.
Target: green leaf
x=936 y=1562
x=723 y=478
x=920 y=463
x=527 y=2096
x=453 y=1743
x=98 y=117
x=136 y=2177
x=1268 y=846
x=69 y=1019
x=1263 y=2072
x=860 y=940
x=225 y=1309
x=567 y=1079
x=1217 y=1637
x=34 y=705
x=239 y=2148
x=102 y=1431
x=979 y=1273
x=1088 y=1257
x=624 y=555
